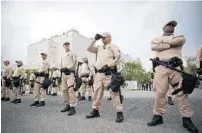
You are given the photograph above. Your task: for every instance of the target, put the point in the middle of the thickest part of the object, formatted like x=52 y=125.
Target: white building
x=54 y=48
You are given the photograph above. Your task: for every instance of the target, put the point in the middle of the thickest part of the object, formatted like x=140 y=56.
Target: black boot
x=30 y=92
x=109 y=98
x=42 y=103
x=82 y=98
x=35 y=103
x=157 y=119
x=119 y=117
x=89 y=98
x=67 y=108
x=13 y=100
x=93 y=114
x=3 y=99
x=7 y=99
x=17 y=101
x=72 y=111
x=170 y=102
x=187 y=123
x=54 y=94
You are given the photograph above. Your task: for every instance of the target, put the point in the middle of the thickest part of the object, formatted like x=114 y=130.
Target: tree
x=134 y=70
x=191 y=65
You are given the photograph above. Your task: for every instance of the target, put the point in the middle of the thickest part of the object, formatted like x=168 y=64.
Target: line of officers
x=166 y=47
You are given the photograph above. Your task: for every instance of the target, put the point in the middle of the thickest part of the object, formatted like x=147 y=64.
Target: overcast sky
x=132 y=24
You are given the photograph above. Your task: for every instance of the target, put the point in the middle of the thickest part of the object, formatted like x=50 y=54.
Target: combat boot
x=93 y=114
x=13 y=100
x=119 y=117
x=67 y=108
x=42 y=103
x=34 y=103
x=30 y=92
x=109 y=98
x=72 y=111
x=89 y=98
x=170 y=102
x=187 y=123
x=79 y=95
x=7 y=99
x=3 y=99
x=82 y=98
x=54 y=94
x=157 y=119
x=17 y=101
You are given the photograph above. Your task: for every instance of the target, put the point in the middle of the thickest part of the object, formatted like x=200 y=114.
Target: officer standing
x=32 y=80
x=17 y=78
x=6 y=81
x=41 y=74
x=86 y=77
x=68 y=65
x=169 y=46
x=108 y=57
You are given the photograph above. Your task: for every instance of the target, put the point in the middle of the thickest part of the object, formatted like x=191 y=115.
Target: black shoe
x=67 y=108
x=93 y=114
x=35 y=103
x=30 y=92
x=82 y=98
x=54 y=94
x=17 y=101
x=119 y=117
x=79 y=95
x=7 y=99
x=89 y=98
x=157 y=119
x=72 y=111
x=42 y=103
x=13 y=100
x=109 y=98
x=170 y=102
x=3 y=99
x=187 y=123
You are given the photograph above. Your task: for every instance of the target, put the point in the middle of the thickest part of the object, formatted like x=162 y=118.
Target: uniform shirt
x=56 y=73
x=32 y=77
x=84 y=69
x=108 y=54
x=43 y=66
x=199 y=57
x=7 y=71
x=19 y=71
x=166 y=47
x=68 y=61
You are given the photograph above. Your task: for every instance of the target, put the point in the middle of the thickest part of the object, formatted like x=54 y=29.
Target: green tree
x=191 y=65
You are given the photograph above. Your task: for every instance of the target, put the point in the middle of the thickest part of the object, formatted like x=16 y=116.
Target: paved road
x=137 y=110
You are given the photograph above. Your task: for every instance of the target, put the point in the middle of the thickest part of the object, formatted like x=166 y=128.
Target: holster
x=46 y=83
x=116 y=81
x=78 y=82
x=7 y=82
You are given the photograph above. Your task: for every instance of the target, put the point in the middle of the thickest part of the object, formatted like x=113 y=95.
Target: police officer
x=41 y=74
x=167 y=47
x=50 y=88
x=6 y=81
x=108 y=56
x=86 y=76
x=68 y=65
x=32 y=80
x=17 y=78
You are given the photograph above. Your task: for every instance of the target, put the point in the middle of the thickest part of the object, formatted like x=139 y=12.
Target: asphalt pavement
x=138 y=107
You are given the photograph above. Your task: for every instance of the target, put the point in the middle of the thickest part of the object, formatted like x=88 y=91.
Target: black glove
x=98 y=36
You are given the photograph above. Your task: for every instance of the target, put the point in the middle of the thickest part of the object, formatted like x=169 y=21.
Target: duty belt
x=42 y=74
